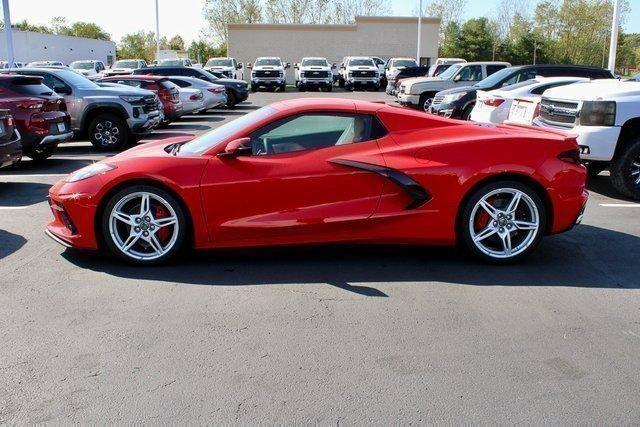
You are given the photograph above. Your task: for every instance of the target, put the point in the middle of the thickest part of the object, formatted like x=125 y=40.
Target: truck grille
x=315 y=74
x=267 y=73
x=363 y=73
x=150 y=103
x=559 y=113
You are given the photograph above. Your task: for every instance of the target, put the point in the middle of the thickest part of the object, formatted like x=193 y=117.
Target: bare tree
x=447 y=10
x=219 y=13
x=322 y=11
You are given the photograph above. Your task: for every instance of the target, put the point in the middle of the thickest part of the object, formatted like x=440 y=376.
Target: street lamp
x=157 y=33
x=419 y=33
x=8 y=32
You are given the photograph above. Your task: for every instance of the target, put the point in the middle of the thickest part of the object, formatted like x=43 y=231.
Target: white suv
x=394 y=65
x=91 y=69
x=605 y=116
x=268 y=72
x=358 y=71
x=124 y=66
x=314 y=72
x=228 y=67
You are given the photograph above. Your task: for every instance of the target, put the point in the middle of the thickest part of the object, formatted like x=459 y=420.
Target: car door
x=293 y=187
x=468 y=75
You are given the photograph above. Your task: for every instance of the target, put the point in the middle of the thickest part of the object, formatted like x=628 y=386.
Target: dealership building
x=31 y=46
x=381 y=36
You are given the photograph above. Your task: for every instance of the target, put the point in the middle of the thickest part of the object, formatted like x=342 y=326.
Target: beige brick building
x=385 y=37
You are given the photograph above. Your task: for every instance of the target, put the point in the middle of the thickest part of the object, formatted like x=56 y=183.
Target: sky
x=184 y=17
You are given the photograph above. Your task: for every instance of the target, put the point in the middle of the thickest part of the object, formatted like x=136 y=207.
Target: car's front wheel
x=108 y=132
x=232 y=100
x=625 y=171
x=143 y=225
x=503 y=221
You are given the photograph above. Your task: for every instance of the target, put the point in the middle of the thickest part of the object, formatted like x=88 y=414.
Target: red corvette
x=327 y=170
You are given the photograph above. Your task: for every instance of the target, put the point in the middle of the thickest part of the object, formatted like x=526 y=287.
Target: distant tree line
x=60 y=26
x=554 y=31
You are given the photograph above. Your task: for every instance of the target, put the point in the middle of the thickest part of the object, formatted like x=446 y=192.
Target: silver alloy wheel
x=427 y=104
x=135 y=226
x=107 y=133
x=635 y=171
x=504 y=223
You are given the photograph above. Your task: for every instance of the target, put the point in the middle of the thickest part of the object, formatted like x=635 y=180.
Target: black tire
x=113 y=131
x=254 y=88
x=594 y=168
x=107 y=238
x=465 y=233
x=330 y=88
x=39 y=155
x=425 y=101
x=466 y=113
x=349 y=88
x=283 y=87
x=232 y=99
x=340 y=82
x=625 y=171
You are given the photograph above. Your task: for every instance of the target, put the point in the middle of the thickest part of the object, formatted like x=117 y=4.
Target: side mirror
x=237 y=147
x=287 y=65
x=457 y=78
x=296 y=66
x=239 y=66
x=333 y=66
x=249 y=65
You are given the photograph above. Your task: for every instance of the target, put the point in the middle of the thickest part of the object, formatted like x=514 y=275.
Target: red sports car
x=327 y=170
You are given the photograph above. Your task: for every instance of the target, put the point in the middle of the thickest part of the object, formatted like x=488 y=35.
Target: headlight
x=598 y=113
x=448 y=99
x=132 y=99
x=89 y=171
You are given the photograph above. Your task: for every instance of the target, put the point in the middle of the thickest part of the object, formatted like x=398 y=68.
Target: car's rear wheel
x=144 y=225
x=466 y=114
x=503 y=221
x=108 y=132
x=426 y=99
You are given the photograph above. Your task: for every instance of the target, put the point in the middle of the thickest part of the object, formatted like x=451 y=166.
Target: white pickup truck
x=314 y=72
x=605 y=117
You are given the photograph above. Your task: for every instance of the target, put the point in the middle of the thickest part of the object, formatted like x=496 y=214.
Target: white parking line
x=13 y=208
x=40 y=175
x=620 y=205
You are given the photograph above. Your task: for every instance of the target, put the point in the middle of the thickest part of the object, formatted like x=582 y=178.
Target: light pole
x=8 y=32
x=419 y=33
x=157 y=33
x=613 y=45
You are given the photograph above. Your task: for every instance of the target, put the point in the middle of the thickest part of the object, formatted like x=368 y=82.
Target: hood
x=221 y=67
x=596 y=90
x=120 y=90
x=230 y=81
x=314 y=68
x=120 y=70
x=466 y=89
x=268 y=67
x=419 y=80
x=149 y=149
x=362 y=67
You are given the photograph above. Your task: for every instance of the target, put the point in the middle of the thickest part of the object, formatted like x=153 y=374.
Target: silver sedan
x=214 y=95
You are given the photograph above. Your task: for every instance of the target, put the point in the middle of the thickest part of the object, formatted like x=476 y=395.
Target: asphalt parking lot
x=316 y=335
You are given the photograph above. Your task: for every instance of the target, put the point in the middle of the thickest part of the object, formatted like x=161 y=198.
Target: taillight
x=10 y=121
x=30 y=105
x=215 y=90
x=493 y=102
x=536 y=112
x=62 y=106
x=571 y=156
x=194 y=97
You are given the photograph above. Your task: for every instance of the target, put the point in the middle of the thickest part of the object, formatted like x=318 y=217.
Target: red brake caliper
x=482 y=219
x=163 y=233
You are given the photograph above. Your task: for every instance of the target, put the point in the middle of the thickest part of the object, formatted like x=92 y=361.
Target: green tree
x=475 y=40
x=200 y=50
x=138 y=45
x=85 y=29
x=24 y=25
x=450 y=46
x=176 y=43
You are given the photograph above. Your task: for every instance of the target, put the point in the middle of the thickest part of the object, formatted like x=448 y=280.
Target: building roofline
x=16 y=30
x=336 y=27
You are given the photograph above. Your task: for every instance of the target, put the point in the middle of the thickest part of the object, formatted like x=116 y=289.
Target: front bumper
x=596 y=142
x=356 y=81
x=408 y=99
x=144 y=125
x=267 y=82
x=11 y=152
x=316 y=82
x=446 y=110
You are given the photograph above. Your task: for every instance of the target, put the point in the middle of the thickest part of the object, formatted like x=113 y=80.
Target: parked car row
x=45 y=106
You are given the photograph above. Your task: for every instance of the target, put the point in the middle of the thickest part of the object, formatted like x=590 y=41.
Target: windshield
x=404 y=63
x=361 y=62
x=519 y=85
x=75 y=79
x=125 y=64
x=82 y=65
x=219 y=63
x=495 y=78
x=271 y=61
x=171 y=62
x=315 y=63
x=209 y=140
x=450 y=72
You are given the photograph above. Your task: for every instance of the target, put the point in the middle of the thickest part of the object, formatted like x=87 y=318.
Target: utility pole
x=8 y=33
x=157 y=32
x=613 y=45
x=419 y=33
x=535 y=50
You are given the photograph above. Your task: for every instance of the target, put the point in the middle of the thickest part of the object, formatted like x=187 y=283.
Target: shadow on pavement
x=10 y=243
x=587 y=256
x=601 y=184
x=50 y=166
x=17 y=194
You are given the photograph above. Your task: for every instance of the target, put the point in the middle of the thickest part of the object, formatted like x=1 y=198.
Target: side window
x=52 y=82
x=310 y=132
x=520 y=76
x=494 y=68
x=132 y=83
x=181 y=83
x=148 y=85
x=540 y=90
x=471 y=73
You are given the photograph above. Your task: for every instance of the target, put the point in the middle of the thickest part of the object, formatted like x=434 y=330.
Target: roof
x=136 y=77
x=330 y=104
x=337 y=27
